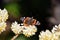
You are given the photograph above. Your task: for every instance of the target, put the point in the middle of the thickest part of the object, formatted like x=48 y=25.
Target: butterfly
x=29 y=21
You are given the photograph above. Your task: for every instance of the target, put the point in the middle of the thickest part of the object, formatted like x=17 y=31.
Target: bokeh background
x=45 y=11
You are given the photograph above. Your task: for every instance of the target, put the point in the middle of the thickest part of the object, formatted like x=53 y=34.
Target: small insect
x=29 y=21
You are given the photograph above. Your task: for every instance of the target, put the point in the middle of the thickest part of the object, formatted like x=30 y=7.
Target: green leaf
x=22 y=37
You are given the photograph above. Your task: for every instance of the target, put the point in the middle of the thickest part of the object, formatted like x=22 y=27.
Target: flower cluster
x=27 y=31
x=56 y=30
x=53 y=35
x=3 y=15
x=16 y=28
x=3 y=18
x=2 y=26
x=47 y=35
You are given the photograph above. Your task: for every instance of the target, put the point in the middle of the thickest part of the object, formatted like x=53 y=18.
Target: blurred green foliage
x=23 y=37
x=13 y=9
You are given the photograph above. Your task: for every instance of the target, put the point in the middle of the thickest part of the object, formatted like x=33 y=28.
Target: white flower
x=47 y=35
x=16 y=28
x=29 y=31
x=3 y=15
x=2 y=26
x=56 y=30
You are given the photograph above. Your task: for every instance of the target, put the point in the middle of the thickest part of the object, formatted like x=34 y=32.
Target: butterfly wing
x=29 y=21
x=22 y=19
x=37 y=23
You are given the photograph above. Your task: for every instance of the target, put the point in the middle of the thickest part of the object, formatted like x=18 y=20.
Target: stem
x=14 y=37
